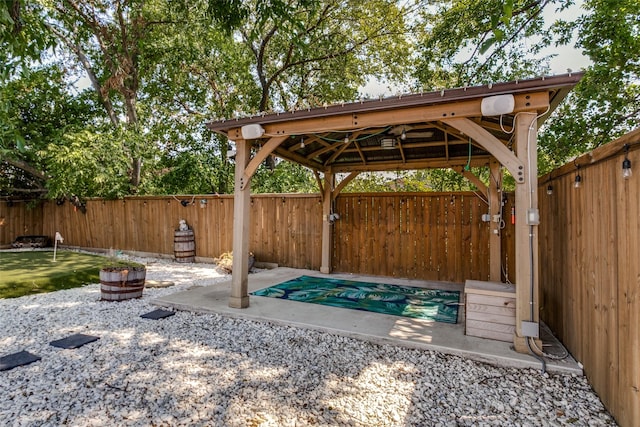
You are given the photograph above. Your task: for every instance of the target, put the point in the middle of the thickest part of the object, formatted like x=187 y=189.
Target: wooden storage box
x=490 y=310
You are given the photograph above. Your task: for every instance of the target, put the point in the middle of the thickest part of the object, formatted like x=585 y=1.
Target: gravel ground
x=208 y=370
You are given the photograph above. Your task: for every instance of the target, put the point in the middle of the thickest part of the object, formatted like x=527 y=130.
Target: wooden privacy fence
x=285 y=230
x=431 y=236
x=437 y=236
x=590 y=271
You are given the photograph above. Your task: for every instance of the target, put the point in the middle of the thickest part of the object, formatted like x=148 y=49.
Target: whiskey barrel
x=184 y=246
x=122 y=283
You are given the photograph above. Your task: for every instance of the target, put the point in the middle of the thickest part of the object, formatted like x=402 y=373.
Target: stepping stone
x=17 y=359
x=158 y=283
x=74 y=341
x=158 y=314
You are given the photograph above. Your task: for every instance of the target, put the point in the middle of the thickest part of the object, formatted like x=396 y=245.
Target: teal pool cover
x=406 y=301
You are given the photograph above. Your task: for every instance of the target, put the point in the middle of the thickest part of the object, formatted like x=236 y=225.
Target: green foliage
x=39 y=112
x=23 y=37
x=88 y=163
x=197 y=167
x=606 y=103
x=286 y=177
x=468 y=42
x=307 y=53
x=159 y=70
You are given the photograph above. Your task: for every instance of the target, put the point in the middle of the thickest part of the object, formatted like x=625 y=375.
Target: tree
x=286 y=177
x=469 y=42
x=286 y=55
x=606 y=103
x=306 y=53
x=39 y=112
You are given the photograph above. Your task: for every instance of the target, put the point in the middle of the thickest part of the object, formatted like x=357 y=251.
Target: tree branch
x=22 y=165
x=515 y=33
x=86 y=64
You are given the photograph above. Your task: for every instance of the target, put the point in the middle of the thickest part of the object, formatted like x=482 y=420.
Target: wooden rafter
x=404 y=158
x=297 y=158
x=310 y=139
x=325 y=149
x=364 y=159
x=341 y=149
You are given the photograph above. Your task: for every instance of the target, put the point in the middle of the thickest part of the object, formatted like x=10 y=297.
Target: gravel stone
x=209 y=370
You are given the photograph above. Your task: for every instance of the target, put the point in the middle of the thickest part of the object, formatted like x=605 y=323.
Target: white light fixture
x=252 y=131
x=388 y=143
x=403 y=135
x=626 y=163
x=346 y=139
x=497 y=105
x=301 y=142
x=549 y=189
x=578 y=181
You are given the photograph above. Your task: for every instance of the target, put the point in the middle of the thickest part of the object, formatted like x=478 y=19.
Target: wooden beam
x=241 y=207
x=411 y=145
x=341 y=149
x=364 y=159
x=460 y=136
x=472 y=178
x=329 y=183
x=446 y=146
x=319 y=182
x=344 y=183
x=412 y=164
x=537 y=101
x=310 y=139
x=526 y=234
x=323 y=150
x=259 y=157
x=400 y=147
x=296 y=158
x=495 y=206
x=492 y=144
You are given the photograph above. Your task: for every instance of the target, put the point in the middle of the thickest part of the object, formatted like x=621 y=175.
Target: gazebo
x=494 y=125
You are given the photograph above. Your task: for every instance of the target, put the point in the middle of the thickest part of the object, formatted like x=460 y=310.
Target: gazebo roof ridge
x=406 y=100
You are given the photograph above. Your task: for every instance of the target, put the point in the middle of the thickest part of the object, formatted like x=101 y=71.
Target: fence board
x=430 y=236
x=590 y=277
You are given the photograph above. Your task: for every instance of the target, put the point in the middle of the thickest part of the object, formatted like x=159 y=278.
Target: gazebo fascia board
x=442 y=125
x=559 y=85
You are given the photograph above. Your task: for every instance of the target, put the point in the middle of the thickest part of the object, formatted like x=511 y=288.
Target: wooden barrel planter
x=122 y=283
x=184 y=246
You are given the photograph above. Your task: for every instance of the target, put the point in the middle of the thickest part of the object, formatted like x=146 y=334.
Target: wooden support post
x=495 y=205
x=327 y=200
x=242 y=197
x=526 y=230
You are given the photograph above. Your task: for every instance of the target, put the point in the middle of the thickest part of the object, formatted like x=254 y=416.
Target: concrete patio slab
x=373 y=327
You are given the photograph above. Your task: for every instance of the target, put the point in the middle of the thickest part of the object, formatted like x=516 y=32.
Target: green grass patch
x=34 y=272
